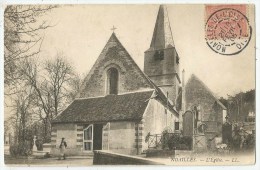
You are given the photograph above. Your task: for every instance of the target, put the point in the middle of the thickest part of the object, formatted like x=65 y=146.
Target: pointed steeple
x=161 y=60
x=162 y=35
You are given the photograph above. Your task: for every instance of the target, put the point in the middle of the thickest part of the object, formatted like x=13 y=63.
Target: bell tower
x=161 y=60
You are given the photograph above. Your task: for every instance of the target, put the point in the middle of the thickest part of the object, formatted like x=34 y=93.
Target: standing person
x=63 y=146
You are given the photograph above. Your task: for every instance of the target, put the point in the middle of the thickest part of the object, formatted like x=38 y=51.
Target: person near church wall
x=63 y=146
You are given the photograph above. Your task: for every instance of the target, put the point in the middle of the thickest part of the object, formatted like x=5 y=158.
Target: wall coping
x=143 y=161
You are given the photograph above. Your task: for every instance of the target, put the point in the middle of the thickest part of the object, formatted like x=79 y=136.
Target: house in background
x=249 y=124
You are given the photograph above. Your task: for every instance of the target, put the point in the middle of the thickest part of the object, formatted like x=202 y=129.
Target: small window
x=159 y=55
x=177 y=126
x=112 y=81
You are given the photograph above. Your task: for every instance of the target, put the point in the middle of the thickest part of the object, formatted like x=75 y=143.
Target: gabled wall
x=211 y=112
x=114 y=55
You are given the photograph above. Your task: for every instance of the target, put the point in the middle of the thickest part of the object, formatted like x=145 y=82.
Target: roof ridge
x=121 y=94
x=138 y=91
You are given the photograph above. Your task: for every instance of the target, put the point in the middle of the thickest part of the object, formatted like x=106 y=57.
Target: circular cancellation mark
x=228 y=31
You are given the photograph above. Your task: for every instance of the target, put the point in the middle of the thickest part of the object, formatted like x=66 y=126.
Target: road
x=70 y=161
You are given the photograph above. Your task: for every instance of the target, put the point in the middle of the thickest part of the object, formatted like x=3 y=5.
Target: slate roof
x=129 y=106
x=162 y=35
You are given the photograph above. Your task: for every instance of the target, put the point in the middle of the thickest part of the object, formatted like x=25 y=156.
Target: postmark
x=227 y=30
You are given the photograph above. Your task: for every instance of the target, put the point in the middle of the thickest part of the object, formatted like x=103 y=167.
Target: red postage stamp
x=227 y=28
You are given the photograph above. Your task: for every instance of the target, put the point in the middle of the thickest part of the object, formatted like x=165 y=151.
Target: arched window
x=112 y=81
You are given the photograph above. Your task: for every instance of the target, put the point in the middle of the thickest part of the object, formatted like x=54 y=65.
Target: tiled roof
x=129 y=106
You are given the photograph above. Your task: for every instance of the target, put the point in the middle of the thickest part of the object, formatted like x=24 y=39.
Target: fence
x=169 y=140
x=154 y=141
x=157 y=140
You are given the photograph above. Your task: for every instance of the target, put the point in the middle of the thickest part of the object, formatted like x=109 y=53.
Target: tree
x=21 y=120
x=23 y=35
x=239 y=105
x=50 y=82
x=6 y=131
x=60 y=73
x=74 y=87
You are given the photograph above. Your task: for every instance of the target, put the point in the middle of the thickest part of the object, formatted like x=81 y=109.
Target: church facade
x=118 y=104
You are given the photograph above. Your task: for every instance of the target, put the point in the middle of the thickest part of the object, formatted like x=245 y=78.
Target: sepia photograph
x=129 y=84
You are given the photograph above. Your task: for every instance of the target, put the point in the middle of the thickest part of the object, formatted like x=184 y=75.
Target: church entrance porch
x=92 y=137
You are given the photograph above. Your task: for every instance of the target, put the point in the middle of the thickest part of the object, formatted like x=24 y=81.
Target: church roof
x=195 y=78
x=122 y=107
x=162 y=35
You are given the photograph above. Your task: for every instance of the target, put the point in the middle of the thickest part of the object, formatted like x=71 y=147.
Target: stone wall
x=69 y=132
x=122 y=138
x=162 y=72
x=159 y=67
x=155 y=118
x=113 y=55
x=110 y=158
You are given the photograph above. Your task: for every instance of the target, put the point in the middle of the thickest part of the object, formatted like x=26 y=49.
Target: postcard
x=129 y=84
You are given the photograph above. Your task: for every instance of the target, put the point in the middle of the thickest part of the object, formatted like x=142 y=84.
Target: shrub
x=165 y=139
x=187 y=140
x=22 y=149
x=39 y=144
x=174 y=141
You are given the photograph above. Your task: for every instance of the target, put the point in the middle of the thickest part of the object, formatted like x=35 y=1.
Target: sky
x=80 y=32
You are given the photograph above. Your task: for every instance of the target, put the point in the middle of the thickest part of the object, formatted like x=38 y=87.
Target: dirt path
x=70 y=161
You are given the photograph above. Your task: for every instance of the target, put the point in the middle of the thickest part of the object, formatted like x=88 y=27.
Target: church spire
x=162 y=35
x=161 y=60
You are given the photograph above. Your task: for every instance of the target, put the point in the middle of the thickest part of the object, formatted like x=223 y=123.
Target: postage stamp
x=227 y=28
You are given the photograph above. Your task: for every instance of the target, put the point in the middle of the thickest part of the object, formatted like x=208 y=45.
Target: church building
x=119 y=104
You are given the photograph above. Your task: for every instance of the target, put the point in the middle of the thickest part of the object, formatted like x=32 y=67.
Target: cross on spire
x=113 y=28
